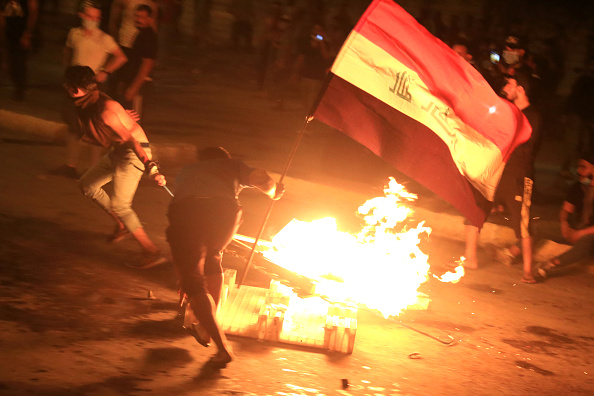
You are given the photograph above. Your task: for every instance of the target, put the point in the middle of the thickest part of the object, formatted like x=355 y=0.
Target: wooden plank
x=261 y=314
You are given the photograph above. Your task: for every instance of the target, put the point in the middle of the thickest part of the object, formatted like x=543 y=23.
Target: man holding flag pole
x=515 y=188
x=414 y=102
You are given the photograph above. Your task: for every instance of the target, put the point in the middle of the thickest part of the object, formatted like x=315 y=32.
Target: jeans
x=124 y=168
x=582 y=249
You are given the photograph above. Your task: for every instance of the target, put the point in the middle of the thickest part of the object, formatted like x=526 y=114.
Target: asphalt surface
x=75 y=320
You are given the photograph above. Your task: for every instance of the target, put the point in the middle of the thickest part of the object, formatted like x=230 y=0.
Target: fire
x=453 y=277
x=381 y=267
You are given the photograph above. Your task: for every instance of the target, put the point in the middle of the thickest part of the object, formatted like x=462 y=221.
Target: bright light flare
x=381 y=267
x=452 y=277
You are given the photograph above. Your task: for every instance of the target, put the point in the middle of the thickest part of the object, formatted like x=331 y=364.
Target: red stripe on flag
x=401 y=141
x=447 y=76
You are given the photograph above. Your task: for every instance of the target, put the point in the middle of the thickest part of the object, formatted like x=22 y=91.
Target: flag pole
x=261 y=231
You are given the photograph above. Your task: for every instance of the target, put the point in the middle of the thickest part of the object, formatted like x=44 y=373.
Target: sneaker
x=66 y=171
x=543 y=268
x=119 y=235
x=150 y=261
x=505 y=257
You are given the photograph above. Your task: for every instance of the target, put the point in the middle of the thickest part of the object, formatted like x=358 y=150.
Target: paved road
x=75 y=321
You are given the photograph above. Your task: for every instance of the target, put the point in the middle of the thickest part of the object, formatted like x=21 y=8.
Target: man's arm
x=579 y=234
x=566 y=210
x=120 y=121
x=117 y=119
x=262 y=181
x=31 y=22
x=155 y=17
x=117 y=60
x=143 y=72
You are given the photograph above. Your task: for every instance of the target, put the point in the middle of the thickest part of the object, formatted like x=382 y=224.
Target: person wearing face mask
x=86 y=45
x=511 y=56
x=105 y=123
x=577 y=220
x=512 y=60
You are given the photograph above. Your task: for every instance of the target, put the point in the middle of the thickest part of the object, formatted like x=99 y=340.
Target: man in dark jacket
x=203 y=218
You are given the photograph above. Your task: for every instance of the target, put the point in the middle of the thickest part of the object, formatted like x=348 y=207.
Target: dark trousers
x=582 y=249
x=199 y=230
x=17 y=65
x=241 y=30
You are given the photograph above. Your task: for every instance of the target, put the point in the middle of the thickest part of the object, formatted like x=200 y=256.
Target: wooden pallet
x=278 y=315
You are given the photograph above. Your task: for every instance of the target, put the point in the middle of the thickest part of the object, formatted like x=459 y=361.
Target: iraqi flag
x=414 y=102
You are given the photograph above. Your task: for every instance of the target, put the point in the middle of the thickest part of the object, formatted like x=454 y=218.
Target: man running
x=203 y=218
x=104 y=122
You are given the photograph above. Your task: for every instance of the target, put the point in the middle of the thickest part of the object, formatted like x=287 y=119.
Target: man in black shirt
x=141 y=60
x=577 y=219
x=515 y=187
x=203 y=218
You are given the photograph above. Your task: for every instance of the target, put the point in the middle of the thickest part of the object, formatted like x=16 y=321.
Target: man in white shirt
x=87 y=45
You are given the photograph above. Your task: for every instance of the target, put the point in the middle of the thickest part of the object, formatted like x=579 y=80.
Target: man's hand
x=130 y=93
x=152 y=169
x=133 y=114
x=568 y=234
x=26 y=40
x=279 y=190
x=101 y=77
x=160 y=179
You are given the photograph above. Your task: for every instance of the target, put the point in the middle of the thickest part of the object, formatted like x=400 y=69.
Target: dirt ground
x=74 y=320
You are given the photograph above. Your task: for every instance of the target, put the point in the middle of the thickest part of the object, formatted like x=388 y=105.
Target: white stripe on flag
x=373 y=70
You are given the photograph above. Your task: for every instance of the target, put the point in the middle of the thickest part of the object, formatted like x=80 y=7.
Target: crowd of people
x=109 y=72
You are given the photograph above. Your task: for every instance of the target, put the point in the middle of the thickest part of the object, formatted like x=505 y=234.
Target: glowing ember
x=452 y=277
x=381 y=267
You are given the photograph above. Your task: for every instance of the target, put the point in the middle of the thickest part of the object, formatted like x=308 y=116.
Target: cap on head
x=512 y=42
x=81 y=77
x=213 y=153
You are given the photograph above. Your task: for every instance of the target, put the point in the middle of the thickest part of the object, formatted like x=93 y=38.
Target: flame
x=452 y=277
x=381 y=267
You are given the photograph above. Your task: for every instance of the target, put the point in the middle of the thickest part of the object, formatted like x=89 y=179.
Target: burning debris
x=381 y=267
